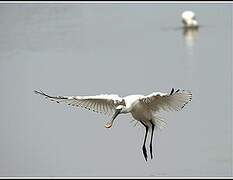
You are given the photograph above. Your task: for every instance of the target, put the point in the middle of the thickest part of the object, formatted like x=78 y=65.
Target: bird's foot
x=144 y=152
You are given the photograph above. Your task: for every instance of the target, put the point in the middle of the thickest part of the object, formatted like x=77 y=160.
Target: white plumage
x=143 y=108
x=189 y=19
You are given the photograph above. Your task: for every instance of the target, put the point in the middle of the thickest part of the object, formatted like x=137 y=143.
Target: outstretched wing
x=174 y=101
x=101 y=103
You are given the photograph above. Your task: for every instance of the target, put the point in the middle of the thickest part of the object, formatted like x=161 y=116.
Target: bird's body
x=142 y=108
x=138 y=110
x=141 y=112
x=189 y=19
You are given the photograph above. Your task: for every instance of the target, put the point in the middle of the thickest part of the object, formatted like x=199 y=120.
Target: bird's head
x=119 y=109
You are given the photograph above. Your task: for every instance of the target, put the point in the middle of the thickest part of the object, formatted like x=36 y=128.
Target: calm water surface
x=88 y=49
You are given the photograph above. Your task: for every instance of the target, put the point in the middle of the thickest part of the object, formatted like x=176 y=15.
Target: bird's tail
x=159 y=122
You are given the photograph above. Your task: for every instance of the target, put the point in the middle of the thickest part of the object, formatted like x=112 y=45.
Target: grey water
x=113 y=48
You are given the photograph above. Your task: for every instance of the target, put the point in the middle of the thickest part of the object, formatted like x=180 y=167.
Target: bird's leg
x=152 y=132
x=144 y=143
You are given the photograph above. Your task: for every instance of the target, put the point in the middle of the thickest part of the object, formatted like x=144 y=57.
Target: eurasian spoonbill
x=143 y=108
x=189 y=19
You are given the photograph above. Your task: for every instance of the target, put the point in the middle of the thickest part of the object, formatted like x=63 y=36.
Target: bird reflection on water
x=190 y=36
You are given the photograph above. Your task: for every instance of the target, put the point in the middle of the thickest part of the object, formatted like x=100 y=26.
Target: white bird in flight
x=189 y=19
x=143 y=108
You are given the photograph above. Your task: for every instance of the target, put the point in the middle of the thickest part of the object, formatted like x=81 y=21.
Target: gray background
x=89 y=49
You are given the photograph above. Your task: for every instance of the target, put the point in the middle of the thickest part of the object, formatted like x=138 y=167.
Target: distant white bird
x=189 y=19
x=143 y=108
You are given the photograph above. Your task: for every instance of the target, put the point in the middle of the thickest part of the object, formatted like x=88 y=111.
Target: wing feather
x=173 y=101
x=100 y=103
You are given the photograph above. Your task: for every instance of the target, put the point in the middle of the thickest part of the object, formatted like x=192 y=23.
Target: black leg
x=144 y=143
x=152 y=132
